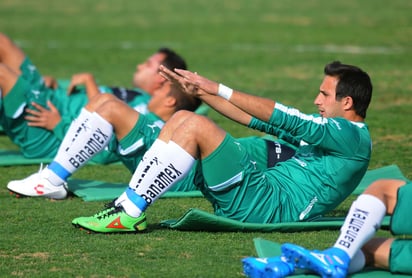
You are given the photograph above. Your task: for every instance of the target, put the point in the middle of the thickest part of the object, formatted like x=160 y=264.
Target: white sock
x=52 y=175
x=170 y=167
x=364 y=218
x=84 y=116
x=174 y=165
x=88 y=136
x=150 y=157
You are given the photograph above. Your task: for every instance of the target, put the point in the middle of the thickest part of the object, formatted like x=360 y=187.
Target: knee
x=5 y=41
x=104 y=97
x=384 y=189
x=384 y=185
x=191 y=120
x=5 y=72
x=185 y=122
x=182 y=115
x=99 y=100
x=109 y=106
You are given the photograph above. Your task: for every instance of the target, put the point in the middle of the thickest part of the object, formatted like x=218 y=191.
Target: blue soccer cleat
x=332 y=262
x=276 y=267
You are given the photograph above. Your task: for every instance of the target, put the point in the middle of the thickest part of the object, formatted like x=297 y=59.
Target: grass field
x=275 y=49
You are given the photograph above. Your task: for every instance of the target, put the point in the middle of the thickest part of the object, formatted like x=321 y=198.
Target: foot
x=37 y=185
x=276 y=267
x=107 y=206
x=112 y=219
x=332 y=262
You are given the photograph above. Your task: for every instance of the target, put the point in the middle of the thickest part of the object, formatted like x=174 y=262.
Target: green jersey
x=331 y=160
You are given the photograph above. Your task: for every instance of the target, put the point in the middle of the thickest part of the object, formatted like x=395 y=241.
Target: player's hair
x=352 y=82
x=184 y=101
x=172 y=60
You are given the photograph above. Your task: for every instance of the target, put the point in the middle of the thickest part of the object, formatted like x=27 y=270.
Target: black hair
x=352 y=82
x=184 y=101
x=172 y=60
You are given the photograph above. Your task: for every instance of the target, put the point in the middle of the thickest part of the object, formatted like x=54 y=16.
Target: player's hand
x=50 y=82
x=80 y=79
x=43 y=117
x=87 y=80
x=189 y=82
x=198 y=81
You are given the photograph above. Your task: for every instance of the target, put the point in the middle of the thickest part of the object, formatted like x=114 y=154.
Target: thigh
x=236 y=187
x=8 y=79
x=133 y=146
x=10 y=53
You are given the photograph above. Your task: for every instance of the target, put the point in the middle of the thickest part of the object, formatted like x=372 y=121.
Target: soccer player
x=36 y=116
x=382 y=197
x=92 y=132
x=134 y=133
x=327 y=166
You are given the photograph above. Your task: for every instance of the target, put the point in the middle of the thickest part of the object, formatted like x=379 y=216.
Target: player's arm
x=50 y=81
x=258 y=107
x=84 y=79
x=226 y=108
x=44 y=117
x=217 y=103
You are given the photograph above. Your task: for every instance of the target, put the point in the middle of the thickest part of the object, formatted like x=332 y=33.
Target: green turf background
x=274 y=49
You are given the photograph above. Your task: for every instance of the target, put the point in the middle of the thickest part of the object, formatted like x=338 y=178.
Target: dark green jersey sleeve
x=273 y=130
x=334 y=135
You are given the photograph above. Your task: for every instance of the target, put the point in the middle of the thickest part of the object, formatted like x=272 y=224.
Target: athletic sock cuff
x=136 y=199
x=59 y=170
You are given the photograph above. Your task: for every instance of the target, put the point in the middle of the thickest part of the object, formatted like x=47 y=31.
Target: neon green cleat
x=107 y=207
x=112 y=220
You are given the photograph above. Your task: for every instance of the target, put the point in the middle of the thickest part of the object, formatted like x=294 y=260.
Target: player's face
x=326 y=101
x=160 y=98
x=147 y=75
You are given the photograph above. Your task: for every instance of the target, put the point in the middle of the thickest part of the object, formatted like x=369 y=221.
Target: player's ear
x=347 y=103
x=171 y=101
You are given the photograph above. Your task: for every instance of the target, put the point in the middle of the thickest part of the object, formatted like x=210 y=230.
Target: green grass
x=275 y=49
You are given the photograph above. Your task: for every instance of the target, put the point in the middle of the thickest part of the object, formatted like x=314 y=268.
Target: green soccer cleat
x=112 y=220
x=107 y=207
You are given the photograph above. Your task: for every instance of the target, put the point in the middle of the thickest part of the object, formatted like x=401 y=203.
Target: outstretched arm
x=217 y=103
x=261 y=108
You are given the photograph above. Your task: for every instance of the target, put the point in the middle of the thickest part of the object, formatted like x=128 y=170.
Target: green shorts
x=401 y=223
x=134 y=145
x=230 y=179
x=32 y=141
x=31 y=74
x=401 y=256
x=37 y=142
x=21 y=94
